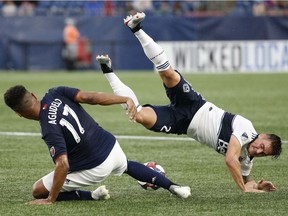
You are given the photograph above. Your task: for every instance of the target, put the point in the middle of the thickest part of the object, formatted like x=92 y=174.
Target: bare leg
x=118 y=87
x=39 y=191
x=146 y=115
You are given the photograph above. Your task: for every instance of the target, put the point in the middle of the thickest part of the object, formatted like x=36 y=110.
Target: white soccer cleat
x=180 y=191
x=105 y=62
x=133 y=21
x=101 y=193
x=104 y=59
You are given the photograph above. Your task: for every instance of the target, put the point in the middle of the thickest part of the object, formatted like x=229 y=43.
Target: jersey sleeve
x=55 y=141
x=243 y=130
x=67 y=91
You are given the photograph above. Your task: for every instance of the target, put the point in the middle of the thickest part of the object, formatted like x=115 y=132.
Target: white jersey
x=208 y=127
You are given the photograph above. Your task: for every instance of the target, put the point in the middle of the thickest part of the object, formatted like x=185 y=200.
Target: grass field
x=262 y=98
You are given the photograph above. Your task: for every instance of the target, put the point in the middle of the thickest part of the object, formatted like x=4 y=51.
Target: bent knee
x=39 y=191
x=147 y=117
x=170 y=77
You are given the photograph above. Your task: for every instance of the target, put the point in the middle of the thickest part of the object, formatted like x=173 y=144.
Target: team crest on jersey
x=186 y=88
x=52 y=151
x=244 y=137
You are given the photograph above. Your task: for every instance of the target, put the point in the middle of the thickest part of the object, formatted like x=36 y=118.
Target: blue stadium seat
x=42 y=8
x=93 y=8
x=75 y=4
x=44 y=4
x=74 y=8
x=57 y=8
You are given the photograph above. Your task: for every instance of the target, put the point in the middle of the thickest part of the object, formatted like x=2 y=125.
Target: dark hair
x=276 y=145
x=14 y=97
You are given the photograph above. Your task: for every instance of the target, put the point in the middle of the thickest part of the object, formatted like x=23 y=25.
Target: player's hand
x=266 y=186
x=131 y=110
x=40 y=202
x=252 y=190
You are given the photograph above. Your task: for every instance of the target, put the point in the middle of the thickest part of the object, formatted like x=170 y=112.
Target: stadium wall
x=35 y=43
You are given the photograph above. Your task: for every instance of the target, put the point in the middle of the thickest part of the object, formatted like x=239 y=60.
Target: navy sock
x=74 y=195
x=106 y=69
x=142 y=173
x=137 y=28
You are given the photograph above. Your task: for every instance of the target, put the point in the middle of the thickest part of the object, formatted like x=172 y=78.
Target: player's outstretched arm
x=104 y=99
x=233 y=164
x=60 y=173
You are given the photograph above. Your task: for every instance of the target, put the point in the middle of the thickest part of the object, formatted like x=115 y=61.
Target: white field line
x=118 y=137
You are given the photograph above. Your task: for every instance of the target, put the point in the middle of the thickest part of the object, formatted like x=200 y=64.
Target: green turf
x=262 y=98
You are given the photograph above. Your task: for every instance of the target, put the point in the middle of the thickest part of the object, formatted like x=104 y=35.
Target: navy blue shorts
x=176 y=117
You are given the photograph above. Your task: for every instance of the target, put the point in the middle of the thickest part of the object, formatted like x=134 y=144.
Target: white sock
x=153 y=51
x=119 y=88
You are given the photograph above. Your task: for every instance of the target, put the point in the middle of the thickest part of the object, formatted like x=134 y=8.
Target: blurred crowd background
x=10 y=8
x=198 y=35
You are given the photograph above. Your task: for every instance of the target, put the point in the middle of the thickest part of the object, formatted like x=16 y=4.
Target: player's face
x=260 y=147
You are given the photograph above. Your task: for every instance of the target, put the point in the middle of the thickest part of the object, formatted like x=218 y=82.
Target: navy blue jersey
x=68 y=129
x=176 y=117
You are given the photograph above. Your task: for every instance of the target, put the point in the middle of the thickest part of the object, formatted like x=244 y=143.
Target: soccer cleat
x=133 y=22
x=181 y=191
x=101 y=193
x=105 y=62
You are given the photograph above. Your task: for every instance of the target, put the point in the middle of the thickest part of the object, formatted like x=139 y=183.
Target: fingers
x=255 y=191
x=39 y=202
x=267 y=186
x=272 y=187
x=131 y=111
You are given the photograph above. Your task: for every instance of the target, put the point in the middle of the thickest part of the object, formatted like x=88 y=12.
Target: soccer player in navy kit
x=83 y=152
x=189 y=113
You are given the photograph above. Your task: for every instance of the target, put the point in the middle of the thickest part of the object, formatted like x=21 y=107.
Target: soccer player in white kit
x=189 y=113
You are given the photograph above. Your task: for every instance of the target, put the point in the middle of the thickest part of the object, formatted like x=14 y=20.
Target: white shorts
x=115 y=164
